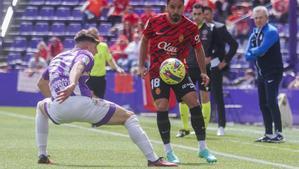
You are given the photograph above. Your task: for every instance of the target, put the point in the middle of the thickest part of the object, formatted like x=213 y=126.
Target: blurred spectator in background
x=55 y=47
x=4 y=67
x=117 y=10
x=130 y=16
x=295 y=83
x=279 y=11
x=132 y=51
x=118 y=48
x=42 y=50
x=148 y=13
x=222 y=10
x=97 y=80
x=130 y=23
x=260 y=2
x=36 y=64
x=190 y=3
x=92 y=9
x=237 y=22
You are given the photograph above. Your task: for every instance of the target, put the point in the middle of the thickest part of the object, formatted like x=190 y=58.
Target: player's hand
x=64 y=94
x=120 y=70
x=222 y=65
x=205 y=79
x=142 y=71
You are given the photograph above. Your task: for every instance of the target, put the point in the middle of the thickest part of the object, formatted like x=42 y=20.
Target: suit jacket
x=222 y=38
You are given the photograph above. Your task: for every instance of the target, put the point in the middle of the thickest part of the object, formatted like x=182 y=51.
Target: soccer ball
x=172 y=71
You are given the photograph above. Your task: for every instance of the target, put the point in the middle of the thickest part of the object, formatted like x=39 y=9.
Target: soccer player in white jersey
x=69 y=100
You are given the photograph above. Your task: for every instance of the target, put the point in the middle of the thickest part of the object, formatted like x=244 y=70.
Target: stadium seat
x=26 y=28
x=14 y=58
x=46 y=13
x=139 y=11
x=73 y=28
x=68 y=43
x=63 y=13
x=104 y=29
x=76 y=14
x=19 y=44
x=70 y=2
x=57 y=28
x=104 y=14
x=32 y=44
x=30 y=13
x=51 y=2
x=36 y=2
x=41 y=28
x=89 y=25
x=136 y=2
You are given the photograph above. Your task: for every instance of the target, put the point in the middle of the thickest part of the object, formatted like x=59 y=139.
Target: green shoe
x=207 y=155
x=171 y=157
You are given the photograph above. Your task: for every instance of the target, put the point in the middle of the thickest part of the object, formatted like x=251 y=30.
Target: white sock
x=202 y=145
x=41 y=131
x=140 y=138
x=167 y=148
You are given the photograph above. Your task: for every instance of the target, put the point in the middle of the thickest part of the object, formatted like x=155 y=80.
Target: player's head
x=87 y=39
x=197 y=13
x=208 y=14
x=260 y=16
x=175 y=10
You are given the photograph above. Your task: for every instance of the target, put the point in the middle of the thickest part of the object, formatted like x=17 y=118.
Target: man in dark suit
x=219 y=63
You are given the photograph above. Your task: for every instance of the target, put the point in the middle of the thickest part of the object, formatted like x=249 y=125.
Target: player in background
x=205 y=34
x=169 y=35
x=69 y=100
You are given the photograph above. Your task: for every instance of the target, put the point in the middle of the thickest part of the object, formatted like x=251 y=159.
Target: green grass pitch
x=77 y=145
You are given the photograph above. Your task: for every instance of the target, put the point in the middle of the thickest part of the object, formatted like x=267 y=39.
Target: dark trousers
x=97 y=85
x=268 y=92
x=217 y=94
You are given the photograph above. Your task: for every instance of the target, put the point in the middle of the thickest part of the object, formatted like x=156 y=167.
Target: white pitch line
x=238 y=157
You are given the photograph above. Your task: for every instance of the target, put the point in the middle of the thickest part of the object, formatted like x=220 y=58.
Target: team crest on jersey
x=181 y=38
x=158 y=91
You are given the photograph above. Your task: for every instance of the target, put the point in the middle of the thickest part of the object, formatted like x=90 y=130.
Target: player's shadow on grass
x=93 y=166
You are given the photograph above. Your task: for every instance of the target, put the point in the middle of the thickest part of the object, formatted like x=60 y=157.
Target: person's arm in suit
x=233 y=44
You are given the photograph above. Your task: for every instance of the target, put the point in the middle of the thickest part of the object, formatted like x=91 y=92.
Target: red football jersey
x=169 y=40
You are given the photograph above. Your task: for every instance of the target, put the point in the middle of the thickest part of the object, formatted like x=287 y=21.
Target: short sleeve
x=148 y=29
x=86 y=58
x=195 y=39
x=105 y=51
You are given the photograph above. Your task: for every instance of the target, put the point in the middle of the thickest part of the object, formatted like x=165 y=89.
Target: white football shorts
x=80 y=109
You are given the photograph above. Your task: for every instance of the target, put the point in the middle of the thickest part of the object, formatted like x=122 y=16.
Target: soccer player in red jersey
x=171 y=35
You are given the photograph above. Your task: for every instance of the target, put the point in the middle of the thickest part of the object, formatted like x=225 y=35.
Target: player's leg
x=137 y=134
x=189 y=96
x=41 y=132
x=160 y=93
x=198 y=125
x=206 y=106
